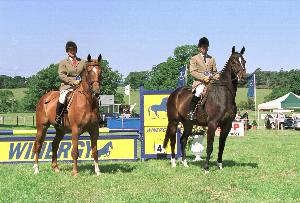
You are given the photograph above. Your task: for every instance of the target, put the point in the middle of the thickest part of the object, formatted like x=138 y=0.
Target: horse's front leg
x=94 y=134
x=38 y=143
x=210 y=144
x=225 y=129
x=75 y=154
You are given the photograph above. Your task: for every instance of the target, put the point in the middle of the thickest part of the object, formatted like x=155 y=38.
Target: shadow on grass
x=108 y=168
x=226 y=163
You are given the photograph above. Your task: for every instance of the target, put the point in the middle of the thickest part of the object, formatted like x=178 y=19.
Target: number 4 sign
x=158 y=148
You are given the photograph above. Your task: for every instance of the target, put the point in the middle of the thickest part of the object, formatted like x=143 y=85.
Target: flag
x=251 y=86
x=182 y=76
x=127 y=89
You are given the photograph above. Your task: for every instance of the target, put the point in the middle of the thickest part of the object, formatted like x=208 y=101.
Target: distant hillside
x=260 y=95
x=19 y=93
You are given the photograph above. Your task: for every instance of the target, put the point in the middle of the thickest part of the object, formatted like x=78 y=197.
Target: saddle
x=203 y=95
x=68 y=101
x=69 y=98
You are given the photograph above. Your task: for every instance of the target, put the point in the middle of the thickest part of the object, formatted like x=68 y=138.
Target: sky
x=136 y=35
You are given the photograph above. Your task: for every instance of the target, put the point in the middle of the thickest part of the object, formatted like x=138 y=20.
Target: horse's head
x=237 y=63
x=93 y=74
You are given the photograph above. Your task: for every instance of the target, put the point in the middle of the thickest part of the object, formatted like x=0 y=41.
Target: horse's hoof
x=220 y=166
x=74 y=174
x=56 y=169
x=173 y=163
x=206 y=171
x=98 y=173
x=185 y=163
x=36 y=169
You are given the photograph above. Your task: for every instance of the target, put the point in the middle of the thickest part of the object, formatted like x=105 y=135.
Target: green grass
x=9 y=120
x=241 y=95
x=261 y=167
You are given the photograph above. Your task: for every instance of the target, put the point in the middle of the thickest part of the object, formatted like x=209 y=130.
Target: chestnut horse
x=219 y=109
x=83 y=116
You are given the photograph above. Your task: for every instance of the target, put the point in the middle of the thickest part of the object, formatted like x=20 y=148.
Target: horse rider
x=203 y=69
x=69 y=71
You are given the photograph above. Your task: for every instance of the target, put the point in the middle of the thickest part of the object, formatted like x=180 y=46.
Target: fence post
x=3 y=120
x=33 y=120
x=17 y=120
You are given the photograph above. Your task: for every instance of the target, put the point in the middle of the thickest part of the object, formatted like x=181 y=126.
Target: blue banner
x=251 y=85
x=182 y=77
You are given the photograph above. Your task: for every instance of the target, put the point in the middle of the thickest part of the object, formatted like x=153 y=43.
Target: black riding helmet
x=203 y=41
x=70 y=44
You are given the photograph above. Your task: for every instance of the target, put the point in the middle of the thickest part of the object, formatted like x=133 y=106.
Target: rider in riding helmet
x=69 y=72
x=203 y=69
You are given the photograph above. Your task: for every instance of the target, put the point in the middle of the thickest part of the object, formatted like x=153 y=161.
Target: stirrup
x=58 y=121
x=191 y=115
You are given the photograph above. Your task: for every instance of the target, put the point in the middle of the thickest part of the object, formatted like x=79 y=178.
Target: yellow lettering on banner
x=154 y=139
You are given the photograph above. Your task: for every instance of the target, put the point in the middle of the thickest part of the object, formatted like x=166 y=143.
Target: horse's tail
x=170 y=133
x=166 y=140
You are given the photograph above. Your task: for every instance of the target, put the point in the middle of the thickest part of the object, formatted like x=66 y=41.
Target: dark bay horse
x=83 y=116
x=220 y=109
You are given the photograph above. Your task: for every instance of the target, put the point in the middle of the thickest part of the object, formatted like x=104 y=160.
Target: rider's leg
x=60 y=106
x=195 y=99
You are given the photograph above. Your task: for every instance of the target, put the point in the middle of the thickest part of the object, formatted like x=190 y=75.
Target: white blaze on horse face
x=240 y=60
x=94 y=69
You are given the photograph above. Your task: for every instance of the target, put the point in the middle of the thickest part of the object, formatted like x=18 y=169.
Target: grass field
x=19 y=93
x=261 y=167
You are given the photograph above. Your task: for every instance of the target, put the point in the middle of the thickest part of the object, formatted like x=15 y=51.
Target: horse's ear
x=233 y=49
x=99 y=58
x=243 y=50
x=89 y=58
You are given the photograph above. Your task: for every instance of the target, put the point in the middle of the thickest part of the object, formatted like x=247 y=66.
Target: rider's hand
x=206 y=79
x=217 y=76
x=76 y=82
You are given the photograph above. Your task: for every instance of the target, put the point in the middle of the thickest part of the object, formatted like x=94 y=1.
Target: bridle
x=91 y=82
x=236 y=68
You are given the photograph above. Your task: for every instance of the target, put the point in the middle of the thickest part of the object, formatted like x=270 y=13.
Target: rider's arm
x=194 y=70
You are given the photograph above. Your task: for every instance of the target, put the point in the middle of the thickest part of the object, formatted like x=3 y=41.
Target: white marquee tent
x=276 y=103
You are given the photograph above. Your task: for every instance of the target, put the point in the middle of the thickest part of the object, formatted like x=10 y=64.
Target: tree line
x=7 y=82
x=165 y=76
x=161 y=77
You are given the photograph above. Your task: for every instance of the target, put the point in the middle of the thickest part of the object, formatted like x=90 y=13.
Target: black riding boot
x=192 y=107
x=59 y=109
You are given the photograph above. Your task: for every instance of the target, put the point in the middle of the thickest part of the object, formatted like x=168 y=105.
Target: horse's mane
x=225 y=68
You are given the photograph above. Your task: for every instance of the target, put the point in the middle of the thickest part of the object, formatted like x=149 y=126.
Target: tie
x=204 y=57
x=74 y=62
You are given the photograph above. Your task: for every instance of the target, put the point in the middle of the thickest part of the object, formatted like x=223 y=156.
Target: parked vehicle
x=288 y=123
x=297 y=124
